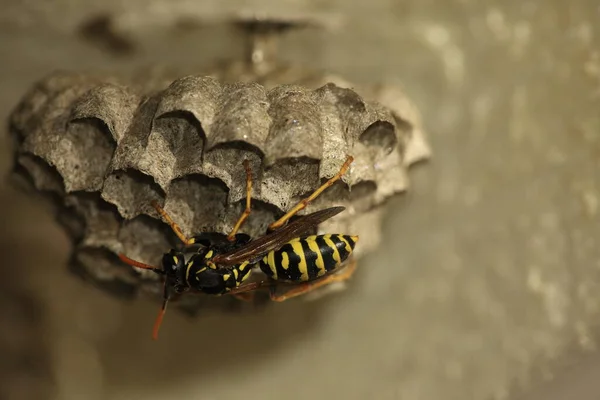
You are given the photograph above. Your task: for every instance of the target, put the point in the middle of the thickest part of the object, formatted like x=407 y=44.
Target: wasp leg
x=305 y=202
x=307 y=287
x=248 y=297
x=248 y=287
x=246 y=293
x=246 y=212
x=172 y=224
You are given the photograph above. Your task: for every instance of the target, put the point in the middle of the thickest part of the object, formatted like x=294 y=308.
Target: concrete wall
x=487 y=282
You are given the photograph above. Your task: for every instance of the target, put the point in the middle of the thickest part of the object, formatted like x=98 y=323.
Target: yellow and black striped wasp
x=285 y=254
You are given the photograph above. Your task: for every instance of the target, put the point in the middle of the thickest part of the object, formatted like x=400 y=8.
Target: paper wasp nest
x=104 y=148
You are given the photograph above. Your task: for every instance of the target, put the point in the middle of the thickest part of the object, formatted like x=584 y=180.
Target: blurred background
x=486 y=284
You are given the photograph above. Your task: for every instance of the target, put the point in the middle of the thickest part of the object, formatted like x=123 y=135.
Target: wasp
x=286 y=254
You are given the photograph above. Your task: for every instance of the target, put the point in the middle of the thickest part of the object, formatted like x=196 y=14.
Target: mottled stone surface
x=488 y=275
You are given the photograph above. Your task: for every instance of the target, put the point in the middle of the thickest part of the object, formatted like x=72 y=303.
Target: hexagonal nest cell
x=104 y=148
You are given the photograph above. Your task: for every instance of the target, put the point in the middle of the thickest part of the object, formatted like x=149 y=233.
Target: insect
x=285 y=254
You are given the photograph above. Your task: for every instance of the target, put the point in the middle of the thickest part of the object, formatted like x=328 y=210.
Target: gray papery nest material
x=104 y=148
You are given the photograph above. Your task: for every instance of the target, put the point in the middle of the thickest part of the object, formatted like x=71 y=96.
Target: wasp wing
x=258 y=248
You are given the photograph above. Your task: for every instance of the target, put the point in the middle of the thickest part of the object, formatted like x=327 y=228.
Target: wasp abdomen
x=307 y=258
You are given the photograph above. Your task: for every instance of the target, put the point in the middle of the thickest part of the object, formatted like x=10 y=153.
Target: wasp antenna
x=161 y=314
x=158 y=322
x=138 y=264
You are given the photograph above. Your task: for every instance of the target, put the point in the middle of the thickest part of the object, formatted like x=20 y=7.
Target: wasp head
x=173 y=268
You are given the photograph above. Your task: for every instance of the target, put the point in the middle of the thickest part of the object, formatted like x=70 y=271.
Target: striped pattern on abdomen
x=307 y=258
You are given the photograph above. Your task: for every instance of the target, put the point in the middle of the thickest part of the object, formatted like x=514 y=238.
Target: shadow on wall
x=205 y=347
